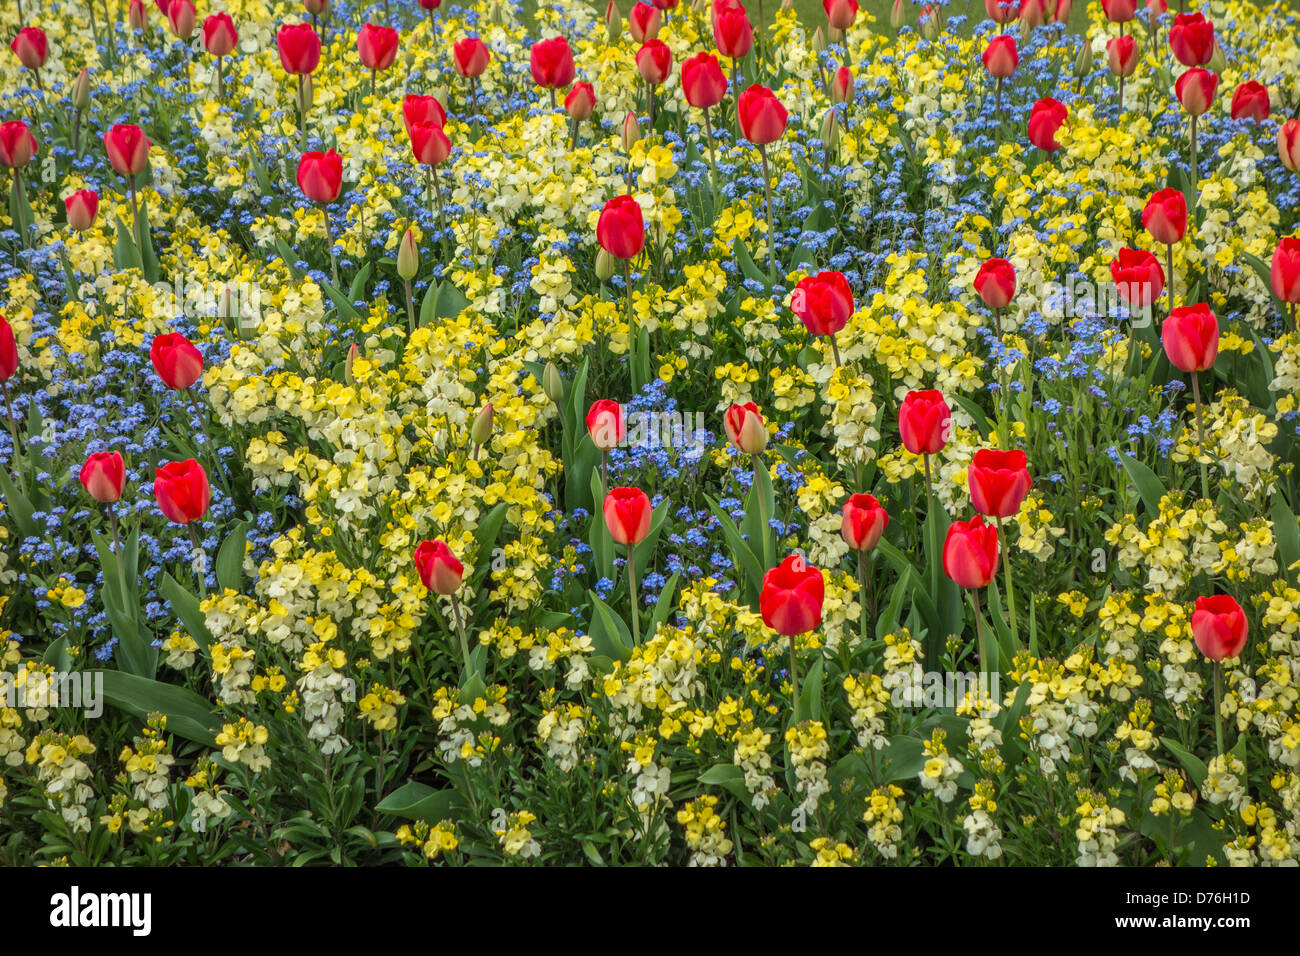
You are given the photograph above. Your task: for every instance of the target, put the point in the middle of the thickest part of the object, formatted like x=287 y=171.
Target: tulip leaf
x=746 y=560
x=663 y=606
x=188 y=714
x=975 y=412
x=1193 y=764
x=1149 y=487
x=417 y=801
x=18 y=506
x=148 y=258
x=186 y=608
x=644 y=549
x=485 y=541
x=125 y=253
x=229 y=566
x=1286 y=530
x=56 y=655
x=728 y=776
x=358 y=288
x=341 y=302
x=602 y=545
x=429 y=306
x=609 y=635
x=809 y=703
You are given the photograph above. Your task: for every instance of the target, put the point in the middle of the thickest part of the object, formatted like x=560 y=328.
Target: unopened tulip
x=1195 y=90
x=1045 y=119
x=176 y=360
x=1284 y=277
x=792 y=596
x=654 y=61
x=863 y=522
x=1002 y=11
x=630 y=131
x=1000 y=56
x=81 y=208
x=219 y=34
x=429 y=143
x=643 y=22
x=1122 y=55
x=182 y=491
x=606 y=424
x=440 y=571
x=842 y=85
x=840 y=13
x=1250 y=101
x=627 y=514
x=1138 y=278
x=181 y=17
x=480 y=429
x=320 y=176
x=745 y=429
x=999 y=481
x=1288 y=144
x=1191 y=337
x=471 y=56
x=970 y=553
x=408 y=257
x=580 y=102
x=924 y=422
x=621 y=228
x=1219 y=627
x=31 y=47
x=995 y=283
x=103 y=476
x=128 y=149
x=1192 y=39
x=17 y=145
x=1165 y=216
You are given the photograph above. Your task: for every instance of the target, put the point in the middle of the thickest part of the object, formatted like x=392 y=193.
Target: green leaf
x=609 y=635
x=18 y=506
x=645 y=547
x=967 y=405
x=1286 y=529
x=602 y=545
x=417 y=801
x=1193 y=764
x=904 y=758
x=56 y=655
x=188 y=714
x=1148 y=485
x=429 y=306
x=357 y=290
x=341 y=302
x=729 y=777
x=809 y=704
x=230 y=558
x=148 y=258
x=186 y=607
x=664 y=606
x=740 y=550
x=125 y=253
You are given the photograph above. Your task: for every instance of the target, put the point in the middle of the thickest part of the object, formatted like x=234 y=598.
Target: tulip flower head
x=762 y=115
x=620 y=230
x=924 y=422
x=1284 y=276
x=970 y=553
x=745 y=429
x=17 y=145
x=1250 y=101
x=1192 y=39
x=995 y=283
x=182 y=491
x=1219 y=627
x=792 y=596
x=1045 y=119
x=823 y=302
x=606 y=424
x=1139 y=280
x=176 y=360
x=299 y=49
x=81 y=208
x=551 y=63
x=703 y=82
x=1191 y=337
x=103 y=476
x=8 y=350
x=999 y=482
x=320 y=176
x=627 y=514
x=1165 y=216
x=471 y=56
x=863 y=521
x=440 y=571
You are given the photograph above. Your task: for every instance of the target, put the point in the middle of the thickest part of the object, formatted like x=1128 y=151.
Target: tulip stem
x=981 y=634
x=460 y=630
x=1006 y=567
x=604 y=472
x=329 y=239
x=632 y=343
x=931 y=526
x=771 y=222
x=410 y=307
x=221 y=78
x=835 y=351
x=1171 y=277
x=121 y=554
x=713 y=158
x=135 y=216
x=863 y=587
x=1196 y=178
x=794 y=668
x=200 y=562
x=13 y=437
x=631 y=587
x=1200 y=435
x=1218 y=705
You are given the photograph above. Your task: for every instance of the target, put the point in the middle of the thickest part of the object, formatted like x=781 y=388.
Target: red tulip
x=31 y=47
x=745 y=429
x=703 y=81
x=299 y=48
x=995 y=283
x=999 y=481
x=1285 y=274
x=924 y=422
x=423 y=109
x=627 y=515
x=1062 y=12
x=377 y=46
x=320 y=176
x=732 y=33
x=792 y=596
x=430 y=4
x=580 y=102
x=1219 y=627
x=970 y=553
x=103 y=475
x=439 y=569
x=1191 y=337
x=180 y=18
x=643 y=22
x=1045 y=119
x=606 y=424
x=136 y=18
x=1001 y=11
x=654 y=61
x=1033 y=12
x=621 y=228
x=1122 y=55
x=551 y=62
x=1165 y=216
x=182 y=491
x=1250 y=101
x=665 y=4
x=1138 y=277
x=219 y=35
x=81 y=207
x=176 y=360
x=840 y=13
x=864 y=521
x=429 y=143
x=842 y=85
x=8 y=350
x=1000 y=56
x=1195 y=90
x=17 y=145
x=762 y=115
x=823 y=302
x=1119 y=11
x=471 y=55
x=316 y=7
x=1288 y=144
x=1192 y=39
x=1156 y=8
x=128 y=149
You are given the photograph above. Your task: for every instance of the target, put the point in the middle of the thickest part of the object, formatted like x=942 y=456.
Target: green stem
x=1200 y=435
x=1218 y=705
x=1006 y=567
x=771 y=221
x=410 y=307
x=981 y=633
x=13 y=437
x=460 y=630
x=200 y=562
x=631 y=587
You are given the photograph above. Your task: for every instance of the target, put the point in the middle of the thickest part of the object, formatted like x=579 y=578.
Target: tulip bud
x=631 y=131
x=613 y=22
x=408 y=257
x=604 y=265
x=819 y=41
x=481 y=430
x=353 y=352
x=552 y=383
x=136 y=18
x=81 y=90
x=1218 y=62
x=830 y=134
x=842 y=85
x=1084 y=61
x=896 y=14
x=308 y=90
x=930 y=28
